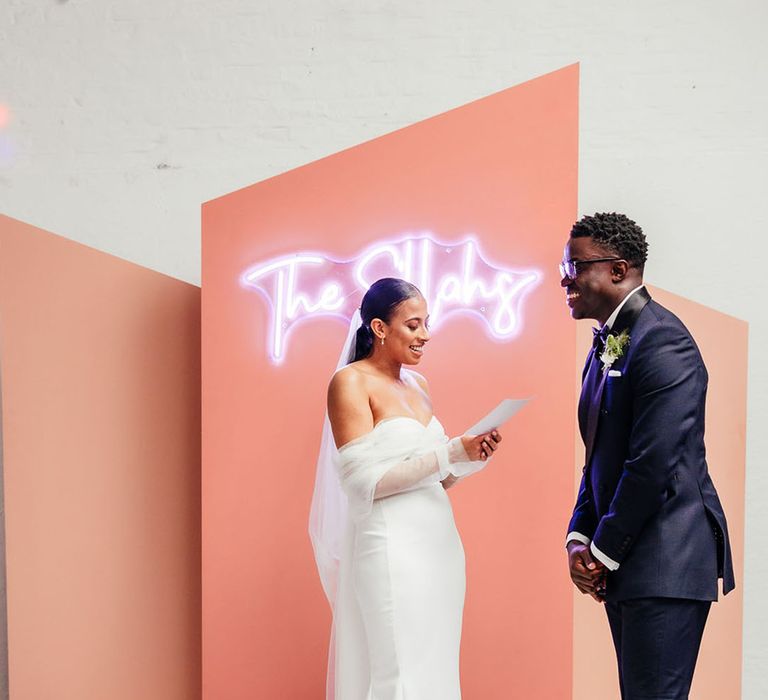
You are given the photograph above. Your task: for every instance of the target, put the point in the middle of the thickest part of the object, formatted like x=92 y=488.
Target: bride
x=389 y=555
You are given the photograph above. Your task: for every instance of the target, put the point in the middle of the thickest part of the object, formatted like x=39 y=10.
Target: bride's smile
x=404 y=335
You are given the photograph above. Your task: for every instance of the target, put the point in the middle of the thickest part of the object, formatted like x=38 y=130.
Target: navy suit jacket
x=646 y=499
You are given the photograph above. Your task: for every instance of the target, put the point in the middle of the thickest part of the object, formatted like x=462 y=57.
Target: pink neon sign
x=453 y=277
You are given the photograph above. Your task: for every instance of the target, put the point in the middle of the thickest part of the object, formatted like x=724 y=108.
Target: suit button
x=604 y=411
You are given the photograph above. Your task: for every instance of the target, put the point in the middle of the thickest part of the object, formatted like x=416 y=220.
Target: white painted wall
x=126 y=114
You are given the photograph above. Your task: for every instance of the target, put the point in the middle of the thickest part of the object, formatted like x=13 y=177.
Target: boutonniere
x=615 y=345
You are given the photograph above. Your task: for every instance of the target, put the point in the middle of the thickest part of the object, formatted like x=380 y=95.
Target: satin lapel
x=625 y=320
x=584 y=397
x=630 y=311
x=593 y=407
x=586 y=366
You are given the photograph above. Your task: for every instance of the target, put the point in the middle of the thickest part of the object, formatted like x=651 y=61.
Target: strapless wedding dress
x=401 y=581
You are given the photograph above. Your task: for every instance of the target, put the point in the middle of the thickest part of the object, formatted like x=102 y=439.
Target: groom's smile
x=587 y=275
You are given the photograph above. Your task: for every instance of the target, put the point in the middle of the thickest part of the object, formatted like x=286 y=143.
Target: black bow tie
x=598 y=337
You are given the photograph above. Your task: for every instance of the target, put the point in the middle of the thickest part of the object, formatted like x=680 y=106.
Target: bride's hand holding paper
x=468 y=449
x=483 y=438
x=481 y=447
x=479 y=443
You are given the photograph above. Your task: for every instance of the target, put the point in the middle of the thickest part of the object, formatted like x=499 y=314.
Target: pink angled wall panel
x=101 y=444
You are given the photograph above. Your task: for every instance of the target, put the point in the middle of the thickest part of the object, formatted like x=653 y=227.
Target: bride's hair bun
x=380 y=301
x=363 y=342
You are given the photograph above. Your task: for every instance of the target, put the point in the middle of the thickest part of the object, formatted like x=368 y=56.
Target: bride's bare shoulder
x=348 y=405
x=349 y=374
x=349 y=381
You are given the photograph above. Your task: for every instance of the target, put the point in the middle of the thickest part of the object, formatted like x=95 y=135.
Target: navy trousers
x=657 y=641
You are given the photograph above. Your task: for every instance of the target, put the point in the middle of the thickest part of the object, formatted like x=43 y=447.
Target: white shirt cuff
x=578 y=537
x=603 y=558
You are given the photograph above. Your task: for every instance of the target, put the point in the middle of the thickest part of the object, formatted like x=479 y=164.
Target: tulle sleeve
x=371 y=469
x=459 y=464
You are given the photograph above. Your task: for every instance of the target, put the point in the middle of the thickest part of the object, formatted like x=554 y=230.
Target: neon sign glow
x=454 y=278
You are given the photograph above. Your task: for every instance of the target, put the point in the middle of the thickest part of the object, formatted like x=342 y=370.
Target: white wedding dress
x=400 y=588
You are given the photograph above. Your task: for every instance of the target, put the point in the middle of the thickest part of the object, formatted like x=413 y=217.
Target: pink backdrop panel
x=101 y=425
x=504 y=170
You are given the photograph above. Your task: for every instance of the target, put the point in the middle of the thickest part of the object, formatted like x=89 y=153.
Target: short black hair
x=616 y=232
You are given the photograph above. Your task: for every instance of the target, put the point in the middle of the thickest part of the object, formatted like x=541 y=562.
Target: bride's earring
x=382 y=340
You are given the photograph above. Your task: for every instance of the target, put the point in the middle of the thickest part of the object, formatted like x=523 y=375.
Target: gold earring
x=382 y=340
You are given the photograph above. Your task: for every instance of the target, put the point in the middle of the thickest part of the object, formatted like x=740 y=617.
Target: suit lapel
x=594 y=395
x=630 y=311
x=594 y=379
x=588 y=388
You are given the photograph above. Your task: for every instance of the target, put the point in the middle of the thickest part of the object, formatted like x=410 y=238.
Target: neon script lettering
x=454 y=278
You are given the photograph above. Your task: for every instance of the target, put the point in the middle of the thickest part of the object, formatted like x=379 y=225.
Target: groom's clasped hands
x=587 y=573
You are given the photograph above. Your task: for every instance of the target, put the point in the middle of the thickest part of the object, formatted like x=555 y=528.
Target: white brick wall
x=126 y=114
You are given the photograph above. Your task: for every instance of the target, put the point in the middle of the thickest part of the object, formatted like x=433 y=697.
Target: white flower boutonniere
x=615 y=345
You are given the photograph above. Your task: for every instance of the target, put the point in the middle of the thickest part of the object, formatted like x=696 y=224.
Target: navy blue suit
x=646 y=499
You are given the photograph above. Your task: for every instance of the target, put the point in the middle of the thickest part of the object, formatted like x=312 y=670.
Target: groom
x=648 y=536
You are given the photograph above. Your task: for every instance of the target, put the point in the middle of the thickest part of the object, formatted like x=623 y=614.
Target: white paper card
x=498 y=416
